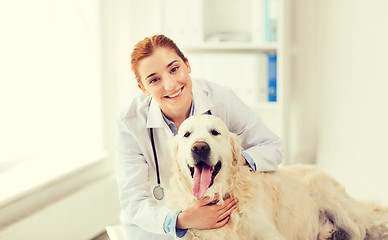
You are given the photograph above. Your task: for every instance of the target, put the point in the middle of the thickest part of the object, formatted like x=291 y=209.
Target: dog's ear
x=235 y=145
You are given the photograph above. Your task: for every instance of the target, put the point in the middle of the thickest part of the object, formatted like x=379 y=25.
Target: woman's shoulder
x=137 y=108
x=211 y=88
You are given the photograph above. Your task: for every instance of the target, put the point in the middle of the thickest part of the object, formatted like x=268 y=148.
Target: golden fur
x=294 y=202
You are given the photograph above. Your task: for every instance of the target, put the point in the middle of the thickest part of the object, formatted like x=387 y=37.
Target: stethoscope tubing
x=155 y=155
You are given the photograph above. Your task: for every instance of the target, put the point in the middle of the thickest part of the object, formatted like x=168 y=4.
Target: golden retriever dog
x=293 y=203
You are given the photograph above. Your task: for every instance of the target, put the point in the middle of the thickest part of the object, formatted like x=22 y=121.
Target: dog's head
x=204 y=152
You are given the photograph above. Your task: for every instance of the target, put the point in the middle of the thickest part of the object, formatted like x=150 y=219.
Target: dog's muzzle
x=203 y=173
x=200 y=152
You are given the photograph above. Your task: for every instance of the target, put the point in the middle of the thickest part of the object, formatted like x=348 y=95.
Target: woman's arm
x=258 y=141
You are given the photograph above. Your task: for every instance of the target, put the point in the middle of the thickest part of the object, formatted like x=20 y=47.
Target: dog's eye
x=187 y=134
x=214 y=132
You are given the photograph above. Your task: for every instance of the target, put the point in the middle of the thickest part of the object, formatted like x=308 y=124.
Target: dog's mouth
x=203 y=176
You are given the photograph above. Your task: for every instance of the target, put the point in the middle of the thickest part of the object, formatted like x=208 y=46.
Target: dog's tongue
x=202 y=179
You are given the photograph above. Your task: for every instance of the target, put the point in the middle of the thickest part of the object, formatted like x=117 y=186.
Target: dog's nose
x=200 y=147
x=200 y=150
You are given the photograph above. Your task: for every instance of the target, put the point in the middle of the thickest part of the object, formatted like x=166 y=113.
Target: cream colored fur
x=293 y=203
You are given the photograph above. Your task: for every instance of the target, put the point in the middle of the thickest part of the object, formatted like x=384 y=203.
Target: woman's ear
x=235 y=145
x=188 y=65
x=143 y=89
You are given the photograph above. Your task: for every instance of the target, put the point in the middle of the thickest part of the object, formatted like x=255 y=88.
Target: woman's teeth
x=175 y=94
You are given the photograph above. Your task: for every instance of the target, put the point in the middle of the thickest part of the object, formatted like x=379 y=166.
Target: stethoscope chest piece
x=158 y=192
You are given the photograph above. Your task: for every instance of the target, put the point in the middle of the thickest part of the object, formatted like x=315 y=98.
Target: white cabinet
x=227 y=41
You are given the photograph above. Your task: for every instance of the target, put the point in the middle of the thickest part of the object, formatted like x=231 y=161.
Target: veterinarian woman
x=168 y=97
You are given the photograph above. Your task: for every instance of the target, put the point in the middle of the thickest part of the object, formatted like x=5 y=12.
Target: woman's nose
x=169 y=83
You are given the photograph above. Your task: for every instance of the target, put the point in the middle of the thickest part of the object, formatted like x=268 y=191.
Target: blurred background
x=314 y=70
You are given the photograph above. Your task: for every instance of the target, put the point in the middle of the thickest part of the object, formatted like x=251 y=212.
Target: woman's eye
x=154 y=80
x=174 y=69
x=187 y=134
x=215 y=132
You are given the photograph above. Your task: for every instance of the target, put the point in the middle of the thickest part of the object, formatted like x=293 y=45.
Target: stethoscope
x=158 y=191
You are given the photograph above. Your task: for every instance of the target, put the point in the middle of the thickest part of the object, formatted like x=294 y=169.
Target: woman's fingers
x=222 y=222
x=227 y=212
x=227 y=208
x=228 y=203
x=207 y=200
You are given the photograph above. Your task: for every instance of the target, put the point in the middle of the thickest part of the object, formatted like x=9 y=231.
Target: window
x=50 y=81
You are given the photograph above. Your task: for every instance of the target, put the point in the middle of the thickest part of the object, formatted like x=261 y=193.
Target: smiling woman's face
x=165 y=77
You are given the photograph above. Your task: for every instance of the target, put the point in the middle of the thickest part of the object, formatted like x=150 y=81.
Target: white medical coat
x=142 y=216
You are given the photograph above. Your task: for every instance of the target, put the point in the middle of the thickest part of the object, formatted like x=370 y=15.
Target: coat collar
x=201 y=98
x=202 y=104
x=155 y=118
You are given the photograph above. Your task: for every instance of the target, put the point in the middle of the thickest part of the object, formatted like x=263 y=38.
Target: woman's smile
x=176 y=93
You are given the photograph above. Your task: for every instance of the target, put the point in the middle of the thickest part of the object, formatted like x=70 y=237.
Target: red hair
x=146 y=47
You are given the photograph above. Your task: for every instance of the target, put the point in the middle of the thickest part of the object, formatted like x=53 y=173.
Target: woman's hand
x=243 y=160
x=203 y=216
